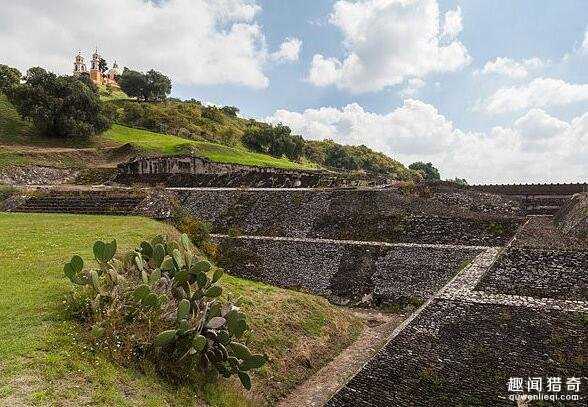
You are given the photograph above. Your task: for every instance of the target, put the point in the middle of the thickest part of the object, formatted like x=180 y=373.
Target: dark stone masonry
x=362 y=214
x=376 y=274
x=191 y=171
x=557 y=274
x=463 y=354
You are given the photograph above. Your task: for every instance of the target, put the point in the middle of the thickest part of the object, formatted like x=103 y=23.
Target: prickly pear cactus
x=164 y=277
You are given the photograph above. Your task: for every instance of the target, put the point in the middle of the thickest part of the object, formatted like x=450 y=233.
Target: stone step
x=82 y=204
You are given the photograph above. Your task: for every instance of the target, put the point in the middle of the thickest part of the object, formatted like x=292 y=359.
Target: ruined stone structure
x=492 y=303
x=375 y=273
x=537 y=199
x=190 y=171
x=359 y=214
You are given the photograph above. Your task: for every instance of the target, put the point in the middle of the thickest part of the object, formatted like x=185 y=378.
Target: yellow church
x=96 y=75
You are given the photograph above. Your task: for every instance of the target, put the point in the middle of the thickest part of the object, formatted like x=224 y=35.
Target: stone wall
x=559 y=274
x=572 y=219
x=463 y=354
x=190 y=171
x=352 y=214
x=346 y=272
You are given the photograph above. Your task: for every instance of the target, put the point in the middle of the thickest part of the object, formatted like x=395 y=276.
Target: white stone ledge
x=351 y=242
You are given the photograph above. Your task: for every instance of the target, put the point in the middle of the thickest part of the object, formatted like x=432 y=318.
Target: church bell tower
x=95 y=73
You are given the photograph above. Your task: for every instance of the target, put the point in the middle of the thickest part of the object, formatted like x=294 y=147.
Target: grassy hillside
x=193 y=121
x=189 y=127
x=15 y=131
x=107 y=94
x=168 y=144
x=47 y=360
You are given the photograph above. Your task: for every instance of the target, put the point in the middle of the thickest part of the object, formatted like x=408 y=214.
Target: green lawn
x=45 y=360
x=168 y=144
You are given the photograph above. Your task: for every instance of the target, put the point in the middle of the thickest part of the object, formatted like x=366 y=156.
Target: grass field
x=168 y=144
x=45 y=360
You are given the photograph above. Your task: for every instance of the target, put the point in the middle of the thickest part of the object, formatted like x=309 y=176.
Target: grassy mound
x=168 y=144
x=46 y=360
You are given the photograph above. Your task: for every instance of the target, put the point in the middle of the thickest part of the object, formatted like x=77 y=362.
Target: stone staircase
x=91 y=202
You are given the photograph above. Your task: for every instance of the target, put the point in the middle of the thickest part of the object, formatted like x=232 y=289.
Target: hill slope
x=169 y=145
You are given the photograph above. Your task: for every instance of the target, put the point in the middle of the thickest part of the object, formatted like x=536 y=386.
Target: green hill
x=170 y=145
x=188 y=127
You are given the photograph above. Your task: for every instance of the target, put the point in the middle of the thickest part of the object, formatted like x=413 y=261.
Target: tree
x=460 y=181
x=274 y=140
x=159 y=85
x=429 y=172
x=102 y=65
x=59 y=106
x=9 y=78
x=84 y=77
x=152 y=86
x=230 y=111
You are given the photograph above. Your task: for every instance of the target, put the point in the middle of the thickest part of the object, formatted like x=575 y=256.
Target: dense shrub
x=9 y=79
x=161 y=302
x=355 y=158
x=427 y=170
x=274 y=140
x=59 y=106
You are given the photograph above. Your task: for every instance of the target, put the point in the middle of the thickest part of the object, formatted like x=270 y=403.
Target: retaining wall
x=463 y=354
x=190 y=171
x=373 y=273
x=359 y=214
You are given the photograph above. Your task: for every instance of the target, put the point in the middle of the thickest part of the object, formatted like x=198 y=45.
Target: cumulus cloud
x=289 y=50
x=412 y=87
x=541 y=92
x=511 y=68
x=201 y=42
x=536 y=148
x=387 y=41
x=453 y=25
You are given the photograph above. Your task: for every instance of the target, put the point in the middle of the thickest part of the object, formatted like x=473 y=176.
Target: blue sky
x=493 y=91
x=516 y=29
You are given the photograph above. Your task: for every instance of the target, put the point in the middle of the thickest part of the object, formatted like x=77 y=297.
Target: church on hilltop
x=97 y=75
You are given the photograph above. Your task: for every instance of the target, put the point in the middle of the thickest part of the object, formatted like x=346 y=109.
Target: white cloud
x=541 y=92
x=387 y=41
x=511 y=68
x=585 y=43
x=324 y=71
x=537 y=124
x=289 y=50
x=201 y=42
x=412 y=87
x=537 y=148
x=453 y=25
